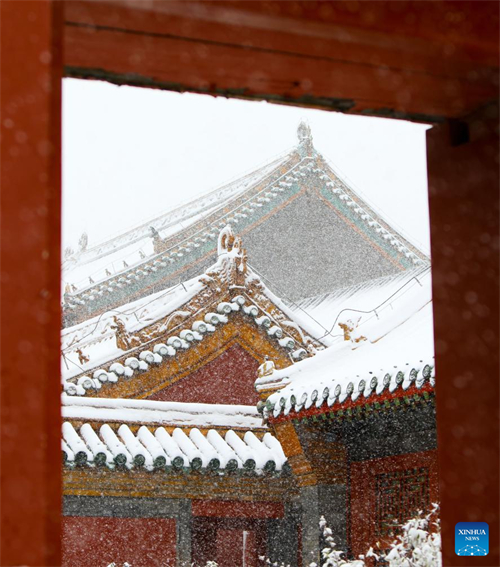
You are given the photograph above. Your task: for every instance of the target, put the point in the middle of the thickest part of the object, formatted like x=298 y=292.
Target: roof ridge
x=229 y=286
x=374 y=210
x=158 y=255
x=200 y=198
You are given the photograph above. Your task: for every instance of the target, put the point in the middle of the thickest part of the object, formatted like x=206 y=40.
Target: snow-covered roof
x=97 y=336
x=158 y=328
x=390 y=347
x=135 y=437
x=128 y=246
x=131 y=263
x=370 y=298
x=171 y=414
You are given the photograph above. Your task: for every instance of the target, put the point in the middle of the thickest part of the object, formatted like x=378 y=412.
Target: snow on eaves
x=97 y=337
x=161 y=413
x=388 y=350
x=109 y=255
x=98 y=340
x=167 y=436
x=142 y=262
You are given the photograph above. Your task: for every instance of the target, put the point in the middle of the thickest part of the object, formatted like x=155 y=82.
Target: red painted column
x=30 y=486
x=464 y=206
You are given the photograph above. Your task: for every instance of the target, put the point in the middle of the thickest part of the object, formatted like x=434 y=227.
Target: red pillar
x=464 y=207
x=30 y=488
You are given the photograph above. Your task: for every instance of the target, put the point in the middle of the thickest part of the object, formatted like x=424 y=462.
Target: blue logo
x=472 y=538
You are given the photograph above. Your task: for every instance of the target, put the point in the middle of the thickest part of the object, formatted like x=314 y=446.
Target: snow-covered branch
x=417 y=545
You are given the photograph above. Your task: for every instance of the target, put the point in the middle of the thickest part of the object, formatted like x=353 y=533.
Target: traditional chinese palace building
x=218 y=399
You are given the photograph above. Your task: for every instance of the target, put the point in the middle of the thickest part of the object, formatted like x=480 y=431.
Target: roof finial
x=304 y=131
x=226 y=240
x=305 y=138
x=232 y=255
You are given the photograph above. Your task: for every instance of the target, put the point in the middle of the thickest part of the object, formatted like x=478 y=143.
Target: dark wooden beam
x=402 y=60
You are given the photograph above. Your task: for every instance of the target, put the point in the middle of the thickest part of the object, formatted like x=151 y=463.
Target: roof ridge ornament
x=124 y=340
x=226 y=240
x=158 y=242
x=233 y=255
x=304 y=135
x=267 y=368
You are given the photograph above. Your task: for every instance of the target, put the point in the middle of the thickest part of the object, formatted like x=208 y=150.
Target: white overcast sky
x=132 y=153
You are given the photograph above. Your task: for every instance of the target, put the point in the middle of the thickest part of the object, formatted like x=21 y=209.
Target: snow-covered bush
x=331 y=556
x=415 y=546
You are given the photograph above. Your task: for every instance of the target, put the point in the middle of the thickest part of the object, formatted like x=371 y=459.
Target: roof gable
x=177 y=254
x=153 y=346
x=226 y=379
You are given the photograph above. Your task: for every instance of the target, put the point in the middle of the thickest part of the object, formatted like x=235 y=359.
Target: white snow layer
x=96 y=337
x=165 y=413
x=110 y=255
x=150 y=448
x=395 y=348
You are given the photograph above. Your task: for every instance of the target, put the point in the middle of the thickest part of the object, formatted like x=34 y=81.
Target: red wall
x=96 y=542
x=237 y=548
x=221 y=540
x=228 y=379
x=233 y=509
x=219 y=527
x=363 y=497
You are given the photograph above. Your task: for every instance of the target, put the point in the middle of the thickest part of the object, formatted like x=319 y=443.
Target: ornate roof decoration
x=159 y=252
x=161 y=342
x=304 y=134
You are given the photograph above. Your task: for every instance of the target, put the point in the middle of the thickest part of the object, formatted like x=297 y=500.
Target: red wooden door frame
x=30 y=452
x=465 y=269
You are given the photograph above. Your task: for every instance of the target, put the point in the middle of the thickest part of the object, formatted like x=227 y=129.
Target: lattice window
x=399 y=496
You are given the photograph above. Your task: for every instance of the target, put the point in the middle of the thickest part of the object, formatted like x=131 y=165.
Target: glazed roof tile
x=390 y=350
x=92 y=353
x=152 y=447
